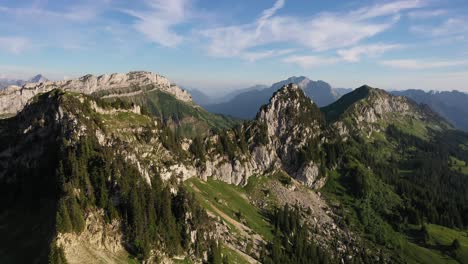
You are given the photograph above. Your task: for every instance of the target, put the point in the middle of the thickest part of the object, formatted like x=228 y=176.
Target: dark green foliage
x=361 y=179
x=116 y=103
x=227 y=146
x=332 y=153
x=292 y=242
x=435 y=193
x=171 y=140
x=310 y=152
x=63 y=221
x=372 y=202
x=69 y=216
x=383 y=186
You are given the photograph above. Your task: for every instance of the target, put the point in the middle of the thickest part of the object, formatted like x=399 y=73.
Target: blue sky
x=222 y=45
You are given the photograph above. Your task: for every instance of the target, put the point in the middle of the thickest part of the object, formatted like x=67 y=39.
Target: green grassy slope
x=232 y=201
x=188 y=119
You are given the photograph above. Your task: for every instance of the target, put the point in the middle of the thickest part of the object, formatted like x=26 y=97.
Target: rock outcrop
x=100 y=242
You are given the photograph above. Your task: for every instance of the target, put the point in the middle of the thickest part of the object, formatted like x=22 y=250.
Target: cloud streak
x=425 y=14
x=450 y=27
x=307 y=62
x=79 y=13
x=158 y=22
x=325 y=31
x=411 y=64
x=14 y=45
x=354 y=54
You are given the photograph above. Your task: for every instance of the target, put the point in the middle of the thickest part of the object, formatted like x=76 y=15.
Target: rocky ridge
x=367 y=110
x=14 y=98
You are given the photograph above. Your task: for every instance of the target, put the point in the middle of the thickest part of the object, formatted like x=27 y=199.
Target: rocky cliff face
x=290 y=127
x=294 y=125
x=100 y=242
x=14 y=98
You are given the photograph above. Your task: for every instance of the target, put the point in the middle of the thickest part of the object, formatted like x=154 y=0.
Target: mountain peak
x=38 y=79
x=289 y=106
x=365 y=87
x=368 y=109
x=289 y=88
x=375 y=98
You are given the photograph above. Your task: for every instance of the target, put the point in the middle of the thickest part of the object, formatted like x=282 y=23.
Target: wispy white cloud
x=15 y=45
x=158 y=21
x=425 y=14
x=450 y=27
x=69 y=27
x=322 y=32
x=310 y=61
x=386 y=9
x=264 y=54
x=410 y=64
x=354 y=54
x=83 y=11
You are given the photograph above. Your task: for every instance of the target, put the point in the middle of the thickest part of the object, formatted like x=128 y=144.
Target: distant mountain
x=245 y=105
x=236 y=92
x=452 y=105
x=5 y=82
x=38 y=79
x=200 y=97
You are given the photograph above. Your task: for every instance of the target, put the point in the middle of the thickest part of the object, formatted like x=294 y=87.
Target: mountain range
x=452 y=105
x=245 y=104
x=126 y=168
